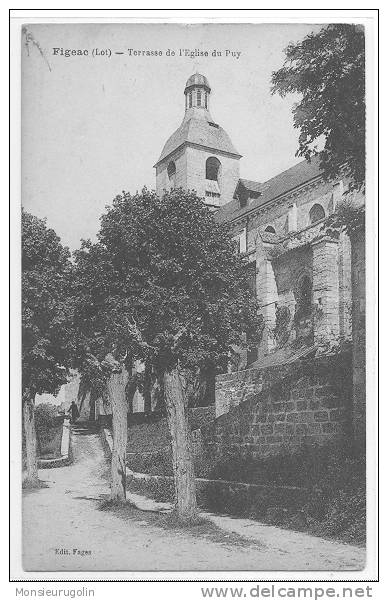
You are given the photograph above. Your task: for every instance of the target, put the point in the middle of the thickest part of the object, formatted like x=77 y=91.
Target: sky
x=93 y=126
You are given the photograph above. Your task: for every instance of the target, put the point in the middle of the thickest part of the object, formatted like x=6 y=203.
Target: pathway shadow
x=28 y=488
x=202 y=528
x=86 y=498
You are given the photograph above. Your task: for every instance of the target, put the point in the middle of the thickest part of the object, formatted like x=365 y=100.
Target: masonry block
x=284 y=423
x=321 y=416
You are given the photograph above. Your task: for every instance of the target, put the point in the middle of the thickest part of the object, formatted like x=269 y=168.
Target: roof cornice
x=275 y=198
x=199 y=147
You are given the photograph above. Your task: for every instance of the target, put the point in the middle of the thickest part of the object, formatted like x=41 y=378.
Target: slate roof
x=251 y=185
x=276 y=186
x=198 y=131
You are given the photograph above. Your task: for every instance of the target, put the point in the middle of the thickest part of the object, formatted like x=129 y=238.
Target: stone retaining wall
x=267 y=411
x=220 y=494
x=150 y=433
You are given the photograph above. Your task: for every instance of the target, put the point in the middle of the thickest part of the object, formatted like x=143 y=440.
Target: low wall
x=266 y=411
x=65 y=456
x=197 y=417
x=150 y=432
x=218 y=494
x=49 y=438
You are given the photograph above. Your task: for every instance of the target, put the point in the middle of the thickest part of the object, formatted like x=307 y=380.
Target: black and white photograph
x=196 y=206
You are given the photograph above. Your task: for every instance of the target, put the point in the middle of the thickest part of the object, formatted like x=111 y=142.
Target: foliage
x=46 y=308
x=162 y=284
x=328 y=70
x=161 y=490
x=93 y=377
x=331 y=501
x=334 y=478
x=282 y=326
x=46 y=416
x=158 y=462
x=348 y=218
x=48 y=430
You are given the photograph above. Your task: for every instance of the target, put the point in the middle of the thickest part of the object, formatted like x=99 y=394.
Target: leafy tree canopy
x=328 y=70
x=348 y=218
x=46 y=307
x=163 y=284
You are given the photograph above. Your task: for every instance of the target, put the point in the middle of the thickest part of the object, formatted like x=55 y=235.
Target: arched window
x=317 y=213
x=198 y=97
x=205 y=100
x=213 y=168
x=190 y=100
x=303 y=295
x=270 y=229
x=171 y=172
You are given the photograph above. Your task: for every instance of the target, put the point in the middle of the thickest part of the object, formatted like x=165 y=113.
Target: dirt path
x=64 y=529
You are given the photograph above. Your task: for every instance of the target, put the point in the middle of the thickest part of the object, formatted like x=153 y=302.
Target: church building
x=301 y=276
x=301 y=378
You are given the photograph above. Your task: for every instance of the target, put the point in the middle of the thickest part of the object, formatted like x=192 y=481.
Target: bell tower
x=199 y=155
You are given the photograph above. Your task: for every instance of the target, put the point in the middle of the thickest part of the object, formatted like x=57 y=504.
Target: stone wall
x=150 y=432
x=300 y=249
x=162 y=180
x=196 y=169
x=289 y=212
x=190 y=163
x=267 y=411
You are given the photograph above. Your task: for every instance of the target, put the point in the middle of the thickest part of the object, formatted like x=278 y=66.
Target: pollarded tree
x=166 y=286
x=46 y=322
x=328 y=70
x=101 y=358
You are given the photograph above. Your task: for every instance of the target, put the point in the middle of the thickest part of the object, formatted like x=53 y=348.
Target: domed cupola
x=197 y=80
x=197 y=92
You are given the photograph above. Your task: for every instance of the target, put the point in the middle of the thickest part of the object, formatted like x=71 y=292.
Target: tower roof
x=198 y=127
x=202 y=132
x=197 y=80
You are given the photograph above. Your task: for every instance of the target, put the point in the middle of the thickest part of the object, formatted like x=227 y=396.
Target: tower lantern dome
x=197 y=92
x=197 y=80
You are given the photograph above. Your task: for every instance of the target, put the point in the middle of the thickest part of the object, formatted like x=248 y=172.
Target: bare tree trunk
x=147 y=389
x=30 y=439
x=118 y=400
x=183 y=466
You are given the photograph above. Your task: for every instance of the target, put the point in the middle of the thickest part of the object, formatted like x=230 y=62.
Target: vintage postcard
x=197 y=216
